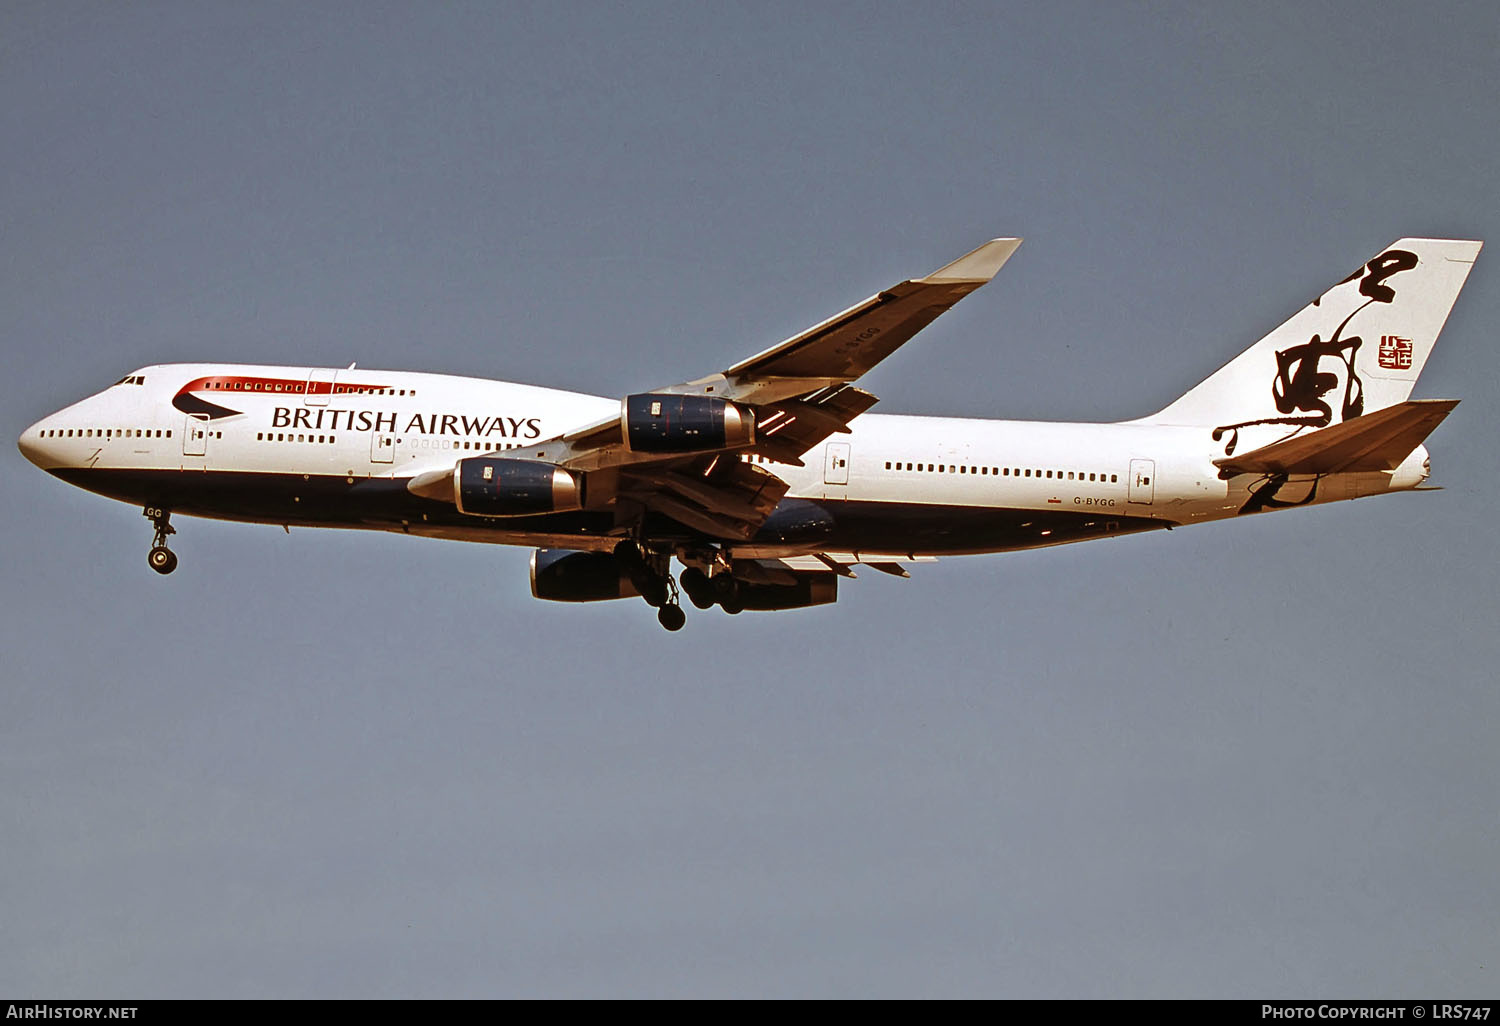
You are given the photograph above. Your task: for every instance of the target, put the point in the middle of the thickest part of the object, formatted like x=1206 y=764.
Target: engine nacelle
x=567 y=575
x=811 y=589
x=494 y=486
x=684 y=423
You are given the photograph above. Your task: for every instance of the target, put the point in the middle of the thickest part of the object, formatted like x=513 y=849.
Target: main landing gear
x=161 y=559
x=651 y=573
x=704 y=591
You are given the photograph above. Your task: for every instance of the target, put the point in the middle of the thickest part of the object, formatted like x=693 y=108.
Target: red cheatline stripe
x=243 y=383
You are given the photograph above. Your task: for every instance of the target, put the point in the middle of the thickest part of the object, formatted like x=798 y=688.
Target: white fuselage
x=290 y=445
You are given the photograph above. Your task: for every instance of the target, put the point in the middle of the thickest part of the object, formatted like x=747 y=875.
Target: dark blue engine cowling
x=567 y=575
x=685 y=423
x=811 y=589
x=796 y=520
x=489 y=486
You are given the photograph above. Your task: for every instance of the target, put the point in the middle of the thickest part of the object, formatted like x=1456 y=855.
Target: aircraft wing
x=848 y=344
x=784 y=570
x=777 y=404
x=1375 y=441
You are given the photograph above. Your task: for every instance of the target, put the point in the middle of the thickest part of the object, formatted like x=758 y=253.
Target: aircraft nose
x=29 y=444
x=32 y=446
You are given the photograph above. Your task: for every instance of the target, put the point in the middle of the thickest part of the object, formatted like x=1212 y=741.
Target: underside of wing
x=784 y=569
x=721 y=496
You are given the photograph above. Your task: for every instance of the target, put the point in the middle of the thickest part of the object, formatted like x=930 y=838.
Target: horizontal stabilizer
x=1375 y=441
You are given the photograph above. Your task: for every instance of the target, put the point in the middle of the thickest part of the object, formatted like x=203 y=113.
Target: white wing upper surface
x=799 y=392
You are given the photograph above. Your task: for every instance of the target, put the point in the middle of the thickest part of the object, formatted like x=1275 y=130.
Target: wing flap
x=1375 y=441
x=794 y=426
x=893 y=563
x=730 y=499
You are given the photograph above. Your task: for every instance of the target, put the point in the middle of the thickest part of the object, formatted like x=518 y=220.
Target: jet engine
x=567 y=575
x=685 y=423
x=791 y=591
x=810 y=590
x=492 y=486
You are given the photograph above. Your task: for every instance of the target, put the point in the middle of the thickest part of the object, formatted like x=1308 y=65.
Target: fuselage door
x=320 y=386
x=195 y=435
x=836 y=464
x=382 y=447
x=1142 y=487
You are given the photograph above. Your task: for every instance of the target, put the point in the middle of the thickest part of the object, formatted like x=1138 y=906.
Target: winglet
x=981 y=265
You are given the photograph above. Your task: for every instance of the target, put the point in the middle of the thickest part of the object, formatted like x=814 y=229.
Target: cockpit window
x=132 y=379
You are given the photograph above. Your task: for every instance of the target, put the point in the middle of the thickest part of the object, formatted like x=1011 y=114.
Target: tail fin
x=1355 y=349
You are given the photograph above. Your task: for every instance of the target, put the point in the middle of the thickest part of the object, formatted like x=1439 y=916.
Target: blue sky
x=1242 y=760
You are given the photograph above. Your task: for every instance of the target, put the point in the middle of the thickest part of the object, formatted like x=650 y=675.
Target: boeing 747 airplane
x=770 y=481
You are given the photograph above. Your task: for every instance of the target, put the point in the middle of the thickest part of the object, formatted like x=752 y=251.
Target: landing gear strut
x=651 y=574
x=161 y=559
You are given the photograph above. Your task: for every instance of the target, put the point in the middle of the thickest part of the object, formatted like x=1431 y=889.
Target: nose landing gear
x=161 y=559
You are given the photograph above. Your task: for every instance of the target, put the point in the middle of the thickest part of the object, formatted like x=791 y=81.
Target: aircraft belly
x=321 y=501
x=938 y=530
x=386 y=504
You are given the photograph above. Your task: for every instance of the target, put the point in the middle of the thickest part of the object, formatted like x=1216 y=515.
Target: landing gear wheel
x=699 y=591
x=653 y=589
x=161 y=559
x=727 y=591
x=671 y=617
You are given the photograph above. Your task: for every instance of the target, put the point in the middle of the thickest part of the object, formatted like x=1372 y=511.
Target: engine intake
x=568 y=575
x=489 y=486
x=656 y=423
